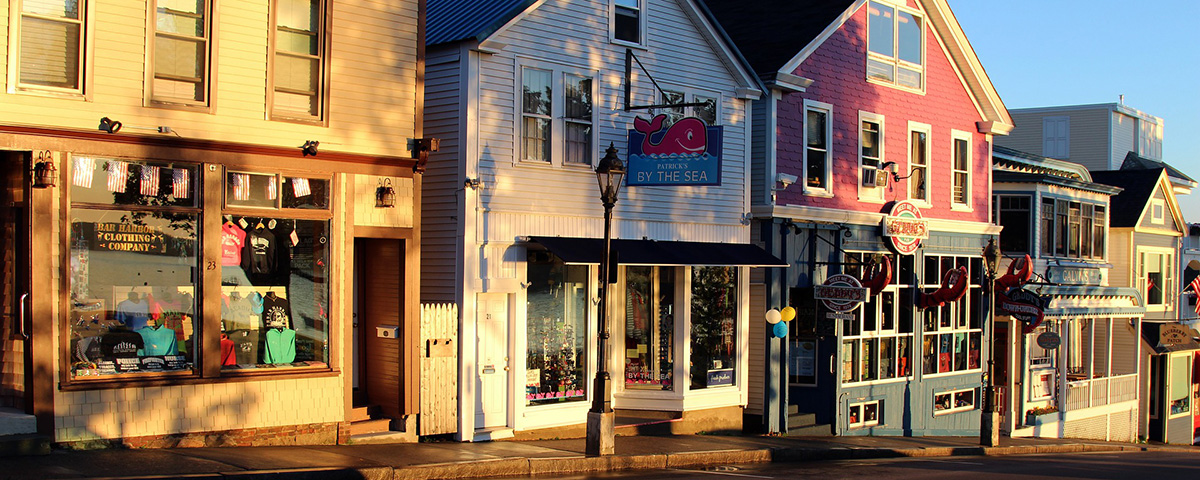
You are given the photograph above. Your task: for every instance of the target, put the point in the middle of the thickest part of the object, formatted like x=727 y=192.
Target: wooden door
x=14 y=284
x=492 y=361
x=380 y=286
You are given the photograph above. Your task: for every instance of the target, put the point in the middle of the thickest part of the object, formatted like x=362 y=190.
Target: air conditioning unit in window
x=872 y=178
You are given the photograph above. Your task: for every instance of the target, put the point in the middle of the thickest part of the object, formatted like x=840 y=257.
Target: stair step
x=22 y=445
x=811 y=431
x=793 y=409
x=370 y=426
x=382 y=438
x=358 y=414
x=797 y=420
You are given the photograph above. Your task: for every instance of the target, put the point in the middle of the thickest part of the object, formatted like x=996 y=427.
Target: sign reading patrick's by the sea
x=687 y=152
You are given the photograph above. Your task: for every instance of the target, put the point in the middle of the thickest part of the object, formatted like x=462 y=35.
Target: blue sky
x=1065 y=52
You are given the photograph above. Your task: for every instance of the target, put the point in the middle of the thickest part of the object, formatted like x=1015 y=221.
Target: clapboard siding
x=372 y=102
x=1120 y=257
x=1090 y=138
x=1124 y=137
x=440 y=209
x=1026 y=135
x=756 y=367
x=760 y=177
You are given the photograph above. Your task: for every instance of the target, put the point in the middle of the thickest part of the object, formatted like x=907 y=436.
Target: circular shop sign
x=841 y=293
x=905 y=228
x=1049 y=340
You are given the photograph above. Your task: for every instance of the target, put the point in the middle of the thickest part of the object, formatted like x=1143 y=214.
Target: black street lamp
x=989 y=432
x=609 y=174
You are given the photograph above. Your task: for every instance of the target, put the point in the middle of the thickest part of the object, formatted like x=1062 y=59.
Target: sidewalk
x=448 y=460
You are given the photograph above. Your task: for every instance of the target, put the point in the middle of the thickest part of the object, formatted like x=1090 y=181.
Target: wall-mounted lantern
x=385 y=195
x=45 y=174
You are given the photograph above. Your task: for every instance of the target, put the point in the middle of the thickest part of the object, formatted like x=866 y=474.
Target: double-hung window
x=818 y=135
x=298 y=62
x=870 y=141
x=557 y=104
x=1155 y=279
x=895 y=46
x=50 y=51
x=918 y=162
x=1014 y=214
x=629 y=21
x=960 y=170
x=1070 y=229
x=181 y=52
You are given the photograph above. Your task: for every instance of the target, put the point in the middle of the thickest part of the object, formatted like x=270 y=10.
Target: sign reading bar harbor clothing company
x=123 y=237
x=840 y=293
x=905 y=228
x=686 y=152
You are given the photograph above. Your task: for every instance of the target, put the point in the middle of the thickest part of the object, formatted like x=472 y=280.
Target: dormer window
x=628 y=21
x=895 y=46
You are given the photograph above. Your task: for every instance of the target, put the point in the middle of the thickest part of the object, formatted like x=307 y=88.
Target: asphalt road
x=1152 y=465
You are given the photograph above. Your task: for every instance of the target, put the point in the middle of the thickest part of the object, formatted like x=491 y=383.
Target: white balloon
x=773 y=316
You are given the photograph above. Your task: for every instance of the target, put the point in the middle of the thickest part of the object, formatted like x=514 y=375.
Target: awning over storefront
x=582 y=251
x=1091 y=301
x=1168 y=337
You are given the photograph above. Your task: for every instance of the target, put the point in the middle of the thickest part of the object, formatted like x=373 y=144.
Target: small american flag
x=150 y=177
x=241 y=186
x=85 y=169
x=181 y=183
x=118 y=175
x=272 y=189
x=300 y=187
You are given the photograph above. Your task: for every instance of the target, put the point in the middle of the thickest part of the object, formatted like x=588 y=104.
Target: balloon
x=781 y=330
x=773 y=316
x=788 y=314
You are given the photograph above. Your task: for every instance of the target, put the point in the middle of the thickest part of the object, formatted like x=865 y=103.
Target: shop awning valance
x=583 y=251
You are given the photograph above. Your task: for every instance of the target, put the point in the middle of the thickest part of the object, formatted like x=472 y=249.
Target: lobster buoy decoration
x=877 y=276
x=954 y=286
x=1013 y=279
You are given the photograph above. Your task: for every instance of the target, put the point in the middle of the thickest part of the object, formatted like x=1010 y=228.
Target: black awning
x=664 y=253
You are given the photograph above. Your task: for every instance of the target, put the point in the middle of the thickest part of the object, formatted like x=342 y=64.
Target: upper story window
x=895 y=46
x=50 y=52
x=182 y=43
x=706 y=111
x=1072 y=229
x=1158 y=214
x=1056 y=137
x=557 y=104
x=1155 y=280
x=1014 y=214
x=870 y=141
x=818 y=136
x=628 y=21
x=960 y=170
x=298 y=63
x=918 y=162
x=1150 y=136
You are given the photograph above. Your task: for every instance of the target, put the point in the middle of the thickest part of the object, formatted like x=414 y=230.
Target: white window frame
x=913 y=165
x=1056 y=137
x=862 y=410
x=322 y=57
x=688 y=95
x=209 y=68
x=1158 y=212
x=1149 y=139
x=955 y=136
x=558 y=149
x=865 y=193
x=827 y=109
x=1166 y=259
x=894 y=60
x=612 y=24
x=953 y=395
x=84 y=65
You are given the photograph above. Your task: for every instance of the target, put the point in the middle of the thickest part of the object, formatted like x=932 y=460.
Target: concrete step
x=366 y=412
x=793 y=409
x=23 y=445
x=797 y=420
x=811 y=431
x=16 y=422
x=370 y=426
x=383 y=438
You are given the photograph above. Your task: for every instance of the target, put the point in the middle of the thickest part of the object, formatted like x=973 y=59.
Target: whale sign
x=684 y=153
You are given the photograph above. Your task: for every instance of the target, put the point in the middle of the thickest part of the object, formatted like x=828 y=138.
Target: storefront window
x=714 y=326
x=133 y=268
x=877 y=340
x=1181 y=385
x=556 y=330
x=953 y=332
x=649 y=327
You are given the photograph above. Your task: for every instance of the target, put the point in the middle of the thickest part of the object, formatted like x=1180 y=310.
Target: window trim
x=1158 y=211
x=85 y=61
x=323 y=84
x=558 y=73
x=955 y=136
x=895 y=60
x=862 y=421
x=1056 y=152
x=827 y=109
x=926 y=202
x=955 y=408
x=208 y=105
x=870 y=194
x=612 y=25
x=1030 y=226
x=1166 y=262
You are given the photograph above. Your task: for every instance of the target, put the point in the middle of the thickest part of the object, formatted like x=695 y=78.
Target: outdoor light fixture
x=44 y=172
x=109 y=125
x=989 y=425
x=309 y=148
x=385 y=195
x=600 y=436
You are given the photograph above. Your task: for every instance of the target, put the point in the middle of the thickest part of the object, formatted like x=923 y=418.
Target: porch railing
x=1101 y=391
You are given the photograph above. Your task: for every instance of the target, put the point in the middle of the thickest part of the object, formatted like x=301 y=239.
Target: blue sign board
x=687 y=152
x=722 y=376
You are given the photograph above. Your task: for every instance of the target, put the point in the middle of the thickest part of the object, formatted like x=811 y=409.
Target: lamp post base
x=600 y=435
x=989 y=432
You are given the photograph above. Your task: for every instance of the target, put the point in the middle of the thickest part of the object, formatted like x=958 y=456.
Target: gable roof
x=1139 y=186
x=448 y=21
x=1134 y=161
x=776 y=36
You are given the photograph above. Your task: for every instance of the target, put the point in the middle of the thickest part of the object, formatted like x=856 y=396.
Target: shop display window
x=649 y=328
x=556 y=330
x=953 y=332
x=877 y=341
x=955 y=401
x=863 y=414
x=714 y=326
x=133 y=246
x=1180 y=385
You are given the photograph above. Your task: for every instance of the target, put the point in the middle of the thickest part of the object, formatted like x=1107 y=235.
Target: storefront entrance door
x=380 y=317
x=14 y=285
x=492 y=363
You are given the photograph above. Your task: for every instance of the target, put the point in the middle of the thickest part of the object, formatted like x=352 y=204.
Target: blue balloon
x=781 y=329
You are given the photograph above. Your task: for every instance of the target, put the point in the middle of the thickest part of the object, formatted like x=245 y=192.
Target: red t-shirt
x=232 y=240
